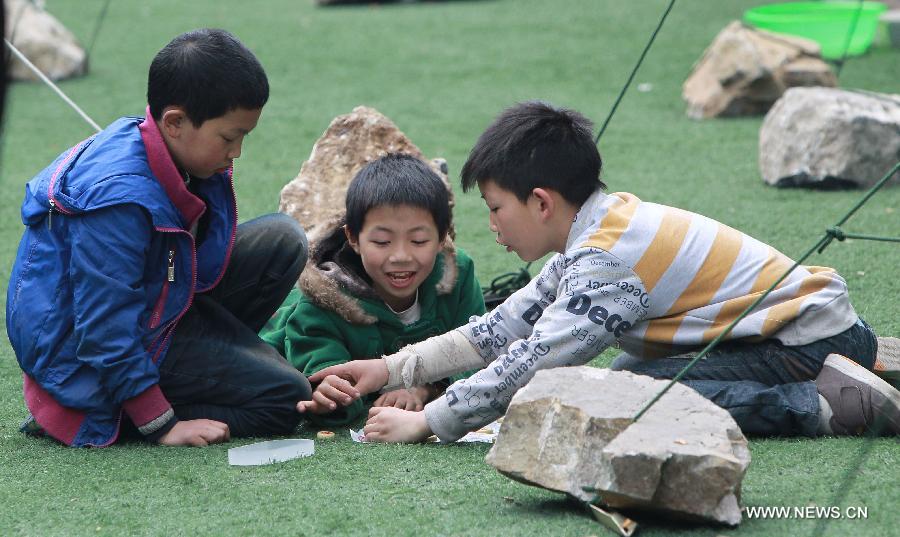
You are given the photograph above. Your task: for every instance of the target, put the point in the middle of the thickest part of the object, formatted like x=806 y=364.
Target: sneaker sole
x=891 y=395
x=887 y=361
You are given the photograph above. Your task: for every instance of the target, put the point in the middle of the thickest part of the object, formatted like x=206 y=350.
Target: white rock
x=828 y=138
x=44 y=41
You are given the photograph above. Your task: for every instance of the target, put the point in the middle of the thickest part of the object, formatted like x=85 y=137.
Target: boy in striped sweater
x=657 y=281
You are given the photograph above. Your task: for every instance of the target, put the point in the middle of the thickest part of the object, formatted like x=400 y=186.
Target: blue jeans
x=217 y=367
x=767 y=387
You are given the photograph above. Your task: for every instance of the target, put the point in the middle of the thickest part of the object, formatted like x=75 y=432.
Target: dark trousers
x=217 y=367
x=767 y=387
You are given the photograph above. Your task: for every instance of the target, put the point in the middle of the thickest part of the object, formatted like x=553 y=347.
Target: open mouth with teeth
x=401 y=279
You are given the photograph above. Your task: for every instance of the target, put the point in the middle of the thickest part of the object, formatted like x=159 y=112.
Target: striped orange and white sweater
x=653 y=279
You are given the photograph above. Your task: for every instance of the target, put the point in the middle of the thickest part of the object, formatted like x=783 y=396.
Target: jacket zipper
x=170 y=272
x=166 y=333
x=163 y=295
x=50 y=199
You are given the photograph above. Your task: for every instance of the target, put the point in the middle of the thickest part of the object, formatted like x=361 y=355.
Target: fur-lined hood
x=334 y=278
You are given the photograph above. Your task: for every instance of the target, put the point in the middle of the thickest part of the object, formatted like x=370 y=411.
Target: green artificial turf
x=441 y=71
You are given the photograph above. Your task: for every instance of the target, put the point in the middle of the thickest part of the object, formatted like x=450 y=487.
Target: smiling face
x=398 y=245
x=211 y=147
x=518 y=225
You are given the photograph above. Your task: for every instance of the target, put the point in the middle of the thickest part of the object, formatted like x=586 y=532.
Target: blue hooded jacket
x=103 y=273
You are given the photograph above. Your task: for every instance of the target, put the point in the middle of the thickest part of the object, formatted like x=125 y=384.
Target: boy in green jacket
x=384 y=276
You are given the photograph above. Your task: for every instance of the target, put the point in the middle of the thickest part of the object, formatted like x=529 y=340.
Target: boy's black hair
x=397 y=180
x=536 y=145
x=208 y=72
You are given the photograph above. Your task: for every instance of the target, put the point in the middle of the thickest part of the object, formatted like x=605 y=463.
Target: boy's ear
x=545 y=203
x=173 y=119
x=351 y=240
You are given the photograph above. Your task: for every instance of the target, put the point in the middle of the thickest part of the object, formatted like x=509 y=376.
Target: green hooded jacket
x=335 y=316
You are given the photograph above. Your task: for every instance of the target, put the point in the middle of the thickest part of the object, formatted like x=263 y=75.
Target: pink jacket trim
x=147 y=406
x=163 y=167
x=62 y=423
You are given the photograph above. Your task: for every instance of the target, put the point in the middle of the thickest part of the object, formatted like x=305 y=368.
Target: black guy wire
x=850 y=32
x=97 y=26
x=634 y=71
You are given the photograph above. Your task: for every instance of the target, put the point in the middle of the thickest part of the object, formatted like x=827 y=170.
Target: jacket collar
x=163 y=167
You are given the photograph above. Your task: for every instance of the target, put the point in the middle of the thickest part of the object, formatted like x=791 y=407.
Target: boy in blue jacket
x=135 y=298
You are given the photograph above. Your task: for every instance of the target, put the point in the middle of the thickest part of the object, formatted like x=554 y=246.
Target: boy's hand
x=411 y=399
x=196 y=433
x=366 y=376
x=331 y=392
x=388 y=424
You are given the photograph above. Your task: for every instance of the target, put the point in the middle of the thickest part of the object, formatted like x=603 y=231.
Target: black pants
x=768 y=388
x=217 y=367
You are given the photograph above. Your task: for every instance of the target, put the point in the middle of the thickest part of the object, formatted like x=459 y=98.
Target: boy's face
x=211 y=147
x=398 y=245
x=517 y=225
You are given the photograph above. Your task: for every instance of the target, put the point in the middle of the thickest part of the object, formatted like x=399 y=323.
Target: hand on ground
x=332 y=391
x=196 y=433
x=388 y=424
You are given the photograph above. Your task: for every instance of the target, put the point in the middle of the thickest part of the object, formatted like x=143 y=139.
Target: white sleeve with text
x=579 y=304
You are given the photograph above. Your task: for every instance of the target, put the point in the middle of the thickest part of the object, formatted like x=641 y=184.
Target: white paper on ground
x=487 y=434
x=270 y=451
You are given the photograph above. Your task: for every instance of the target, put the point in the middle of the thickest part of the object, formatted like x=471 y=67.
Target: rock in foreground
x=571 y=430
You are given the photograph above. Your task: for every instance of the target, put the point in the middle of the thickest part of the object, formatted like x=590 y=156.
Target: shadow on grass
x=564 y=507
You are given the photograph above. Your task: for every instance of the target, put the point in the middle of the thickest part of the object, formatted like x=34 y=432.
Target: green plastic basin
x=827 y=23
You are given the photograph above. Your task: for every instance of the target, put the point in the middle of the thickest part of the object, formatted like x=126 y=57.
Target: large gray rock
x=44 y=41
x=351 y=141
x=571 y=430
x=830 y=138
x=744 y=71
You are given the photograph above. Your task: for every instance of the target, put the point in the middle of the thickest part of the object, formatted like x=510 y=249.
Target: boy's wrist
x=162 y=431
x=150 y=412
x=421 y=426
x=442 y=422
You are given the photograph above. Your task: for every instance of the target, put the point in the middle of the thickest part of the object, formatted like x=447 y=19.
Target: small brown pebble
x=324 y=435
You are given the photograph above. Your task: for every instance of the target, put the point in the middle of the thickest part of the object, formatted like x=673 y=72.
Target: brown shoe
x=887 y=360
x=859 y=400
